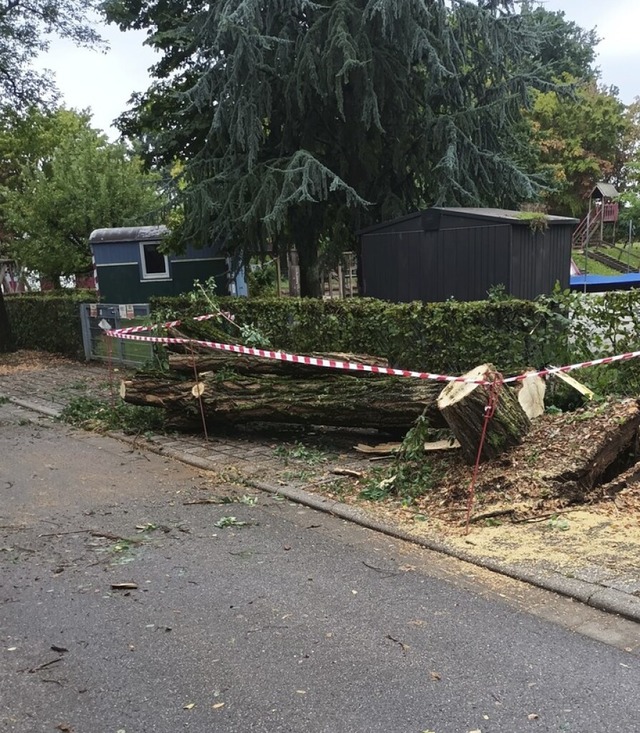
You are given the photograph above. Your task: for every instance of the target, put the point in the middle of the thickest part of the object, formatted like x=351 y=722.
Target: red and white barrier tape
x=133 y=334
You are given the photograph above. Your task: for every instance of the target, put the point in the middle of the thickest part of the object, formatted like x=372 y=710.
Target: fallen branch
x=489 y=515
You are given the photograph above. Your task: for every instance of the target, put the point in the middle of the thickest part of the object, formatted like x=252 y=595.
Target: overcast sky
x=105 y=82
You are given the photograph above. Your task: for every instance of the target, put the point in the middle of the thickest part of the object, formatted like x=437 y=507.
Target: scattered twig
x=489 y=515
x=22 y=549
x=201 y=501
x=347 y=472
x=378 y=570
x=42 y=666
x=116 y=537
x=59 y=534
x=542 y=517
x=397 y=641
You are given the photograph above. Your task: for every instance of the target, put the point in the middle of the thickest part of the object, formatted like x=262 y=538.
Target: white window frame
x=166 y=275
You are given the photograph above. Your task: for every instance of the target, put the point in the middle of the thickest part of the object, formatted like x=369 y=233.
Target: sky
x=104 y=82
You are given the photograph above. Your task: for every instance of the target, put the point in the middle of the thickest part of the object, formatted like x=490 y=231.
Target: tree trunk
x=7 y=343
x=215 y=361
x=343 y=401
x=463 y=407
x=306 y=241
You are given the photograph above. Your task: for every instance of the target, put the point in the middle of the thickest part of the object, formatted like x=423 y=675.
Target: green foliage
x=565 y=48
x=451 y=336
x=93 y=414
x=300 y=453
x=454 y=337
x=537 y=221
x=225 y=522
x=48 y=322
x=204 y=294
x=578 y=141
x=301 y=122
x=630 y=199
x=25 y=30
x=66 y=183
x=605 y=325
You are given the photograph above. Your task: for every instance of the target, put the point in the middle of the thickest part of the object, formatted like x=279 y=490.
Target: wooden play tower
x=603 y=209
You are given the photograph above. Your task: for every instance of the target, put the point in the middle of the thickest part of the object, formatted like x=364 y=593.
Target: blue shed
x=130 y=268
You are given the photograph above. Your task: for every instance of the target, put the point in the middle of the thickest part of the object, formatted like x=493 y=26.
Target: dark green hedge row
x=450 y=337
x=48 y=322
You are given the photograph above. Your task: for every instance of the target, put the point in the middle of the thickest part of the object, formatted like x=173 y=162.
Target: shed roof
x=608 y=190
x=502 y=216
x=128 y=234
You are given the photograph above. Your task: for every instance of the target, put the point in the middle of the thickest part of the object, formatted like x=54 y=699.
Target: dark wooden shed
x=462 y=253
x=130 y=267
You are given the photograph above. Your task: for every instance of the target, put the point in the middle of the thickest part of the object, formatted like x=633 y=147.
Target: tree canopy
x=299 y=121
x=26 y=27
x=577 y=142
x=67 y=180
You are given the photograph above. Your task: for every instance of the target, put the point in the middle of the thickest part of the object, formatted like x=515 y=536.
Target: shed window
x=155 y=265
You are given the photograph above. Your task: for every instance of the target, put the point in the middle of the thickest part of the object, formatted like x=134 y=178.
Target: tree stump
x=463 y=407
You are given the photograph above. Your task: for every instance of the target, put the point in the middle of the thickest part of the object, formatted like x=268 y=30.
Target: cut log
x=386 y=403
x=216 y=361
x=463 y=407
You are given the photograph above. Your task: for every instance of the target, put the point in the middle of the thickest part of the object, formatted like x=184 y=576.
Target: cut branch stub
x=463 y=406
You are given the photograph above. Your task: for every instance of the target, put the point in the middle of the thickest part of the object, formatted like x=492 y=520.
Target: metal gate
x=98 y=317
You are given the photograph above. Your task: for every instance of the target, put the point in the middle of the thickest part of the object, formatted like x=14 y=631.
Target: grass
x=591 y=267
x=92 y=414
x=627 y=254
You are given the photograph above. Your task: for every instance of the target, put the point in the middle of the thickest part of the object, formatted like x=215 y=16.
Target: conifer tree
x=299 y=120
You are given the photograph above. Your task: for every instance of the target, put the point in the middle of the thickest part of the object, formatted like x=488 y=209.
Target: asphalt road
x=295 y=621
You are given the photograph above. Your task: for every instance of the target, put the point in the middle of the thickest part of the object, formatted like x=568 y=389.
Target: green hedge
x=48 y=322
x=449 y=337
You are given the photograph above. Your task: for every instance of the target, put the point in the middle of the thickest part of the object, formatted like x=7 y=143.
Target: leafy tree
x=26 y=27
x=300 y=121
x=565 y=49
x=578 y=141
x=59 y=195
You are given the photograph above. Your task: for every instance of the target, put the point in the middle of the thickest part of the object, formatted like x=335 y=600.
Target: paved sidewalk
x=599 y=581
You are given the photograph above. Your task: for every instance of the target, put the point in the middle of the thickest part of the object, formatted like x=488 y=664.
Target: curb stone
x=591 y=594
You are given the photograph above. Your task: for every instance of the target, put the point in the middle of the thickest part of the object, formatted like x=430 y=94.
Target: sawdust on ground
x=526 y=520
x=28 y=361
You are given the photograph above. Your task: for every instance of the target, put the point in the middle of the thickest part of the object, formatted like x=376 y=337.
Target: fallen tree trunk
x=463 y=407
x=343 y=401
x=216 y=361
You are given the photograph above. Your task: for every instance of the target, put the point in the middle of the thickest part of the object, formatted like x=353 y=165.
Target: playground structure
x=603 y=209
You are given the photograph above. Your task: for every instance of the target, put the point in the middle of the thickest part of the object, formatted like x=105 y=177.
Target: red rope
x=494 y=392
x=197 y=385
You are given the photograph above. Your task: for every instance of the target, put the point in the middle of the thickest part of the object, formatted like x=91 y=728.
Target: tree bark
x=463 y=407
x=306 y=241
x=215 y=361
x=343 y=401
